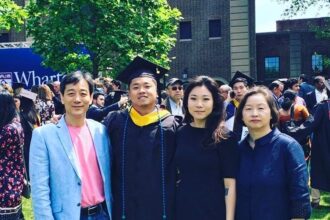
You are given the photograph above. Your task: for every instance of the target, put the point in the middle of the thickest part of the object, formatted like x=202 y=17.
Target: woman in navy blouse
x=11 y=160
x=272 y=182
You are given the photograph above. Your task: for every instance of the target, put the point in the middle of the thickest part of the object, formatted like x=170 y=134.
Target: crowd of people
x=93 y=150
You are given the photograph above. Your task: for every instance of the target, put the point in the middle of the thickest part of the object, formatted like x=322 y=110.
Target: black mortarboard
x=27 y=94
x=238 y=74
x=17 y=85
x=141 y=67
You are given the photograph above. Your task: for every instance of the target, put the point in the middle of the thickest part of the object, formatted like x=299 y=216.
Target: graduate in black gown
x=143 y=145
x=206 y=156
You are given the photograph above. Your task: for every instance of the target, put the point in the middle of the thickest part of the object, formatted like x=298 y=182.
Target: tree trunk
x=95 y=71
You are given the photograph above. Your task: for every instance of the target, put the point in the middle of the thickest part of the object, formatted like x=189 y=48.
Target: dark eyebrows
x=194 y=95
x=73 y=90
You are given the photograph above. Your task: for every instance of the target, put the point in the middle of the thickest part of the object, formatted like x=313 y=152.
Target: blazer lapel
x=97 y=140
x=64 y=136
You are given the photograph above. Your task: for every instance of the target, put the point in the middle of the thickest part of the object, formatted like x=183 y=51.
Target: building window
x=317 y=63
x=185 y=30
x=215 y=28
x=4 y=37
x=272 y=67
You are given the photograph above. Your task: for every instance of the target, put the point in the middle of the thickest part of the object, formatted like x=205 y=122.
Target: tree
x=300 y=6
x=11 y=15
x=101 y=35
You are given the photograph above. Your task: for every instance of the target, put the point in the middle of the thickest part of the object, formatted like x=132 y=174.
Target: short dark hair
x=97 y=94
x=304 y=78
x=74 y=78
x=117 y=83
x=269 y=99
x=7 y=108
x=317 y=79
x=291 y=82
x=240 y=79
x=289 y=97
x=213 y=121
x=274 y=84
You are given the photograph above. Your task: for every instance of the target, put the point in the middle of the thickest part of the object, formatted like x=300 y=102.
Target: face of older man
x=175 y=92
x=56 y=86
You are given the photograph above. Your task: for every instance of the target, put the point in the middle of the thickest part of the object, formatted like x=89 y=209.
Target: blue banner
x=25 y=66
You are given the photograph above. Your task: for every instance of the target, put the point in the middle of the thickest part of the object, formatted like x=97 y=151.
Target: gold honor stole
x=236 y=103
x=143 y=120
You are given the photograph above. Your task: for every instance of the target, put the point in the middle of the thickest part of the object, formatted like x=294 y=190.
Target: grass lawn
x=27 y=209
x=322 y=213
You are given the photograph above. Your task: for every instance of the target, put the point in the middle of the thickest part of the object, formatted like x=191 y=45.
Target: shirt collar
x=265 y=140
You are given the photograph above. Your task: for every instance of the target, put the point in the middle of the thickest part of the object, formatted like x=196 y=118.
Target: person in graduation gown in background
x=143 y=139
x=207 y=157
x=240 y=84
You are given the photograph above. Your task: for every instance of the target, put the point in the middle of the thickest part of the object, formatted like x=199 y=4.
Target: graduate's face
x=200 y=103
x=240 y=89
x=76 y=99
x=256 y=113
x=143 y=92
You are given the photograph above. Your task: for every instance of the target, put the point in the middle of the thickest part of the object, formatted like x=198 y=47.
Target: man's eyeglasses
x=174 y=88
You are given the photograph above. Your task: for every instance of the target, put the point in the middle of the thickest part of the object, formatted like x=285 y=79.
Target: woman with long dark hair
x=272 y=182
x=29 y=119
x=11 y=160
x=206 y=156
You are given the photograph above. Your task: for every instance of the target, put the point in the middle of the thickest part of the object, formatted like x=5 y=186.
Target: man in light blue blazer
x=70 y=161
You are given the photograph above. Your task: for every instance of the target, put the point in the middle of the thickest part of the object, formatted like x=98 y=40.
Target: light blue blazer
x=55 y=176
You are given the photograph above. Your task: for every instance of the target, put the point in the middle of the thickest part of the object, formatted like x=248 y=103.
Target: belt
x=11 y=210
x=93 y=210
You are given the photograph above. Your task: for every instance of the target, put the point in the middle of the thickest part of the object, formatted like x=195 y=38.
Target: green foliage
x=11 y=15
x=101 y=35
x=323 y=212
x=27 y=209
x=300 y=6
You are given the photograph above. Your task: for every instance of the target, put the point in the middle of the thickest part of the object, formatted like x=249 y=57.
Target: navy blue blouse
x=272 y=182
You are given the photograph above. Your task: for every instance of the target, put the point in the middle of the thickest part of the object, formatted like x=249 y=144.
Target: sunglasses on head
x=174 y=88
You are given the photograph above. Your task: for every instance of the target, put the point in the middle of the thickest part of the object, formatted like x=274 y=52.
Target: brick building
x=292 y=50
x=215 y=38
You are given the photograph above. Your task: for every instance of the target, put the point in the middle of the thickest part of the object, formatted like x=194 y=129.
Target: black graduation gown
x=320 y=162
x=142 y=165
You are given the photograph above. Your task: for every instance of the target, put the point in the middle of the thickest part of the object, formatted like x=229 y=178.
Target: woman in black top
x=206 y=156
x=11 y=160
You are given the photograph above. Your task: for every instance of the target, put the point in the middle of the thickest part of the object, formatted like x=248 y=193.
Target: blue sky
x=269 y=11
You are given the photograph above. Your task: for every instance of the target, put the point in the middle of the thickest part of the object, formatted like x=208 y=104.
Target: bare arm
x=230 y=197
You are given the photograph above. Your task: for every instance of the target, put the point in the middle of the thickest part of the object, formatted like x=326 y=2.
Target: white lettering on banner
x=31 y=77
x=23 y=78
